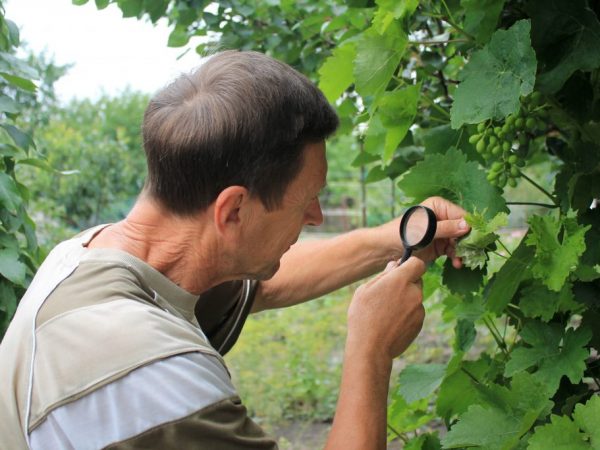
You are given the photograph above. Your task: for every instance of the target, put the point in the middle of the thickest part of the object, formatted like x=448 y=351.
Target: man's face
x=271 y=233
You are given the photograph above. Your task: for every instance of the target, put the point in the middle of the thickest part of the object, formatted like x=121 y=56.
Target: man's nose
x=314 y=214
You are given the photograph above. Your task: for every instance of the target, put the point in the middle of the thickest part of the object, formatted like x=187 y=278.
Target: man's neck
x=183 y=249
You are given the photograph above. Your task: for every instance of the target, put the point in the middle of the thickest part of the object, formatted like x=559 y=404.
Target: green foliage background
x=413 y=82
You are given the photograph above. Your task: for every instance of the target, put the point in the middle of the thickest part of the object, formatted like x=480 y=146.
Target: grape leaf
x=555 y=259
x=456 y=392
x=537 y=301
x=377 y=57
x=465 y=334
x=407 y=417
x=560 y=434
x=397 y=110
x=489 y=428
x=473 y=247
x=11 y=267
x=572 y=45
x=502 y=417
x=462 y=281
x=481 y=17
x=553 y=351
x=451 y=176
x=418 y=381
x=504 y=284
x=336 y=73
x=496 y=77
x=587 y=417
x=423 y=442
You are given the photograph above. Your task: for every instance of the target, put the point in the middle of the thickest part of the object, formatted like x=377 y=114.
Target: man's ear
x=227 y=207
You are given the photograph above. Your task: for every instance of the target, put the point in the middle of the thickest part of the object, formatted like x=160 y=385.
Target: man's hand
x=386 y=313
x=450 y=225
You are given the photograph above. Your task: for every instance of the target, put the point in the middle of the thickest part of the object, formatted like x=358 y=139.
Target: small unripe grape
x=481 y=127
x=474 y=138
x=536 y=98
x=530 y=123
x=496 y=150
x=506 y=146
x=520 y=163
x=510 y=120
x=502 y=180
x=492 y=176
x=493 y=140
x=514 y=171
x=523 y=140
x=480 y=146
x=519 y=123
x=497 y=130
x=497 y=166
x=512 y=182
x=512 y=159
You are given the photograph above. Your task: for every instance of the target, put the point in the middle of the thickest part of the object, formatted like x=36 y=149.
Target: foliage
x=96 y=150
x=19 y=253
x=415 y=82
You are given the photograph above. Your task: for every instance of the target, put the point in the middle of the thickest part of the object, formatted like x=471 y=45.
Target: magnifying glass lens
x=416 y=227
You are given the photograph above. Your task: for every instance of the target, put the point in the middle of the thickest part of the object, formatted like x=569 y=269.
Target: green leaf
x=392 y=9
x=336 y=73
x=465 y=334
x=10 y=266
x=8 y=298
x=79 y=2
x=407 y=417
x=504 y=284
x=8 y=105
x=451 y=176
x=565 y=34
x=9 y=194
x=462 y=281
x=553 y=351
x=473 y=247
x=487 y=428
x=131 y=8
x=101 y=4
x=496 y=77
x=21 y=83
x=418 y=381
x=23 y=140
x=423 y=442
x=397 y=110
x=537 y=301
x=504 y=415
x=156 y=8
x=481 y=17
x=178 y=37
x=377 y=58
x=456 y=392
x=587 y=417
x=554 y=259
x=560 y=434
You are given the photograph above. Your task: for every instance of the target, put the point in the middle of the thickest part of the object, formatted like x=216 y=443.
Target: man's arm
x=385 y=315
x=311 y=269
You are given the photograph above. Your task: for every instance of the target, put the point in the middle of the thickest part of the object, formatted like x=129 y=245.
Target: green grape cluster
x=505 y=145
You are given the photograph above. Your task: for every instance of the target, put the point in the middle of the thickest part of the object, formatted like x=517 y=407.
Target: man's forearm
x=361 y=414
x=314 y=268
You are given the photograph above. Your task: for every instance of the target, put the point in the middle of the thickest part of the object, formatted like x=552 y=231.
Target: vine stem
x=501 y=344
x=453 y=23
x=436 y=106
x=470 y=375
x=499 y=254
x=545 y=205
x=400 y=435
x=539 y=187
x=504 y=247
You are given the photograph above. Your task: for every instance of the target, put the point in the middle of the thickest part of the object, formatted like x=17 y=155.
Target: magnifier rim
x=429 y=232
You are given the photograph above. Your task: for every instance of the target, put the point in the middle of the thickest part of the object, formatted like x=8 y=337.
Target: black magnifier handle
x=407 y=254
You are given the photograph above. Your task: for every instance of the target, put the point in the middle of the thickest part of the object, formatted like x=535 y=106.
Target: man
x=105 y=350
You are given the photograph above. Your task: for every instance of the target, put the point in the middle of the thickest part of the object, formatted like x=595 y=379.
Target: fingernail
x=462 y=225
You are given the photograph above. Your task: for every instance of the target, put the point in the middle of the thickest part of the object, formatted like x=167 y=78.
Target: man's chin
x=267 y=274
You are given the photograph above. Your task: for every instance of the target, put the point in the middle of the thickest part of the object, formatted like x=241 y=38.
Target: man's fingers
x=413 y=267
x=451 y=228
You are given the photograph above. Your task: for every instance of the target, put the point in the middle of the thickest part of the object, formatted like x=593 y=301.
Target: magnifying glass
x=417 y=229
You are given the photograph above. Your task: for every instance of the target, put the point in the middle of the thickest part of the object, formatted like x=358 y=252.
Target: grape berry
x=505 y=146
